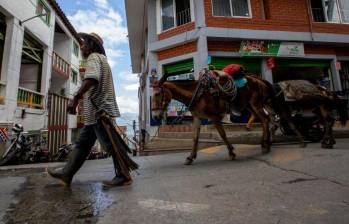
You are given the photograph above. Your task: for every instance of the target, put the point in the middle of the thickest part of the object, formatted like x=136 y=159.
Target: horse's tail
x=341 y=107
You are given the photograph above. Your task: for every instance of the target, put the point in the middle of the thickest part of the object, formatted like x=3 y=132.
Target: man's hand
x=72 y=105
x=85 y=86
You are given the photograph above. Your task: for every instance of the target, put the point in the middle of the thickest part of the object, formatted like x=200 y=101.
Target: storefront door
x=316 y=71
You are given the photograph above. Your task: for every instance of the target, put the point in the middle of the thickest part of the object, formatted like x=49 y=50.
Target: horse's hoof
x=265 y=150
x=232 y=156
x=326 y=146
x=303 y=145
x=188 y=161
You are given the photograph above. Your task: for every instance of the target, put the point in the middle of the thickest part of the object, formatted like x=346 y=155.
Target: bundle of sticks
x=124 y=163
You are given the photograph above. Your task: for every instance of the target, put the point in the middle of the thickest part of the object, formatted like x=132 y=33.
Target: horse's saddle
x=217 y=83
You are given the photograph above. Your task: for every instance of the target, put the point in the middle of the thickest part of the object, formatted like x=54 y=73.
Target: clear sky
x=107 y=18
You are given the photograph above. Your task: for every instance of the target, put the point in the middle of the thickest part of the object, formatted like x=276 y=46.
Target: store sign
x=185 y=76
x=271 y=48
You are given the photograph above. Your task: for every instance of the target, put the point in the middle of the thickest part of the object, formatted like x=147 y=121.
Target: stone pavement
x=289 y=185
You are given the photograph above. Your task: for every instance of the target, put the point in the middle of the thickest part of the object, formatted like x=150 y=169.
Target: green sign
x=271 y=48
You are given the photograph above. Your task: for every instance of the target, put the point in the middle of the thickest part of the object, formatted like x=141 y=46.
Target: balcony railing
x=183 y=17
x=30 y=98
x=60 y=65
x=2 y=93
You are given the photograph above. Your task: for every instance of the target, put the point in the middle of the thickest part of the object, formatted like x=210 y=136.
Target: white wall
x=24 y=9
x=61 y=45
x=15 y=11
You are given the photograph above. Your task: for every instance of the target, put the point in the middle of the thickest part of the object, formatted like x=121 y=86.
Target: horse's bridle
x=161 y=104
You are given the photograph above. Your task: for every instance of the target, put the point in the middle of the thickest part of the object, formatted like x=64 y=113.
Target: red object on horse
x=232 y=68
x=271 y=63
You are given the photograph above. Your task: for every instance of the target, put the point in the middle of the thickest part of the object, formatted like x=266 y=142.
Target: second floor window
x=174 y=13
x=231 y=8
x=76 y=49
x=335 y=11
x=41 y=8
x=74 y=76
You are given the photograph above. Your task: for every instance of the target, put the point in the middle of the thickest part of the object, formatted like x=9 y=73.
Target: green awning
x=251 y=65
x=179 y=67
x=302 y=63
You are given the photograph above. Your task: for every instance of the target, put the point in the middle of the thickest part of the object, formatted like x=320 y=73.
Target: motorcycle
x=307 y=124
x=19 y=149
x=39 y=155
x=62 y=153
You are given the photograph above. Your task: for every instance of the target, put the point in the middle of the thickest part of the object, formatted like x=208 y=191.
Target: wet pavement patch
x=44 y=201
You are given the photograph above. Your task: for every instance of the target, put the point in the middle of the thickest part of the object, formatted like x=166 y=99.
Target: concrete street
x=290 y=185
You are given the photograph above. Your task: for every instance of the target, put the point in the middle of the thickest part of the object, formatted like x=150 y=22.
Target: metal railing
x=183 y=17
x=60 y=65
x=30 y=98
x=2 y=93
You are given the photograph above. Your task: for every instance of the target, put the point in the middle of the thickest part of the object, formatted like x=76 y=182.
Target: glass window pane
x=167 y=14
x=240 y=8
x=221 y=8
x=344 y=10
x=331 y=10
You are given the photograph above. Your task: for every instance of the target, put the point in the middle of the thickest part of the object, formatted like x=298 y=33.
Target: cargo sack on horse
x=302 y=90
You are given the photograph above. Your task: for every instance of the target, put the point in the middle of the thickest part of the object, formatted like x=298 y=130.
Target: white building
x=39 y=62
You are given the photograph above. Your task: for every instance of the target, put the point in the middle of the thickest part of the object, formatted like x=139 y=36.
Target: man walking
x=99 y=111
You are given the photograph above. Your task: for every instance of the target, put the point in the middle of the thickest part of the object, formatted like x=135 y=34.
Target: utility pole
x=134 y=138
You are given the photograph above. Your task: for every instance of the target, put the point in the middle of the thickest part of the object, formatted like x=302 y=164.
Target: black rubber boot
x=117 y=181
x=76 y=158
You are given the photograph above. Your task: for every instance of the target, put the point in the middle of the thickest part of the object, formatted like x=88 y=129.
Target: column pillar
x=12 y=64
x=201 y=56
x=336 y=80
x=267 y=73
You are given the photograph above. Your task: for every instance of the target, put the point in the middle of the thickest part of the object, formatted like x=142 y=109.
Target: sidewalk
x=181 y=141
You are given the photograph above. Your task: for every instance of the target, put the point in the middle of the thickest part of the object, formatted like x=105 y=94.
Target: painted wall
x=284 y=15
x=25 y=9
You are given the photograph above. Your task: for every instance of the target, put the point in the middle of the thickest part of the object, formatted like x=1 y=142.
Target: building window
x=231 y=8
x=76 y=49
x=334 y=11
x=74 y=76
x=41 y=8
x=175 y=13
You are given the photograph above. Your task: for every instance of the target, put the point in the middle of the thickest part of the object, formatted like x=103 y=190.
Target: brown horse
x=320 y=104
x=253 y=96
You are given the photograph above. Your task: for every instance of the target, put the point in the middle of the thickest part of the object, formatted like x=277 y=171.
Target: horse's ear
x=163 y=79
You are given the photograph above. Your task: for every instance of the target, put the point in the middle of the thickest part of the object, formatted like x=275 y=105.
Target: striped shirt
x=102 y=95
